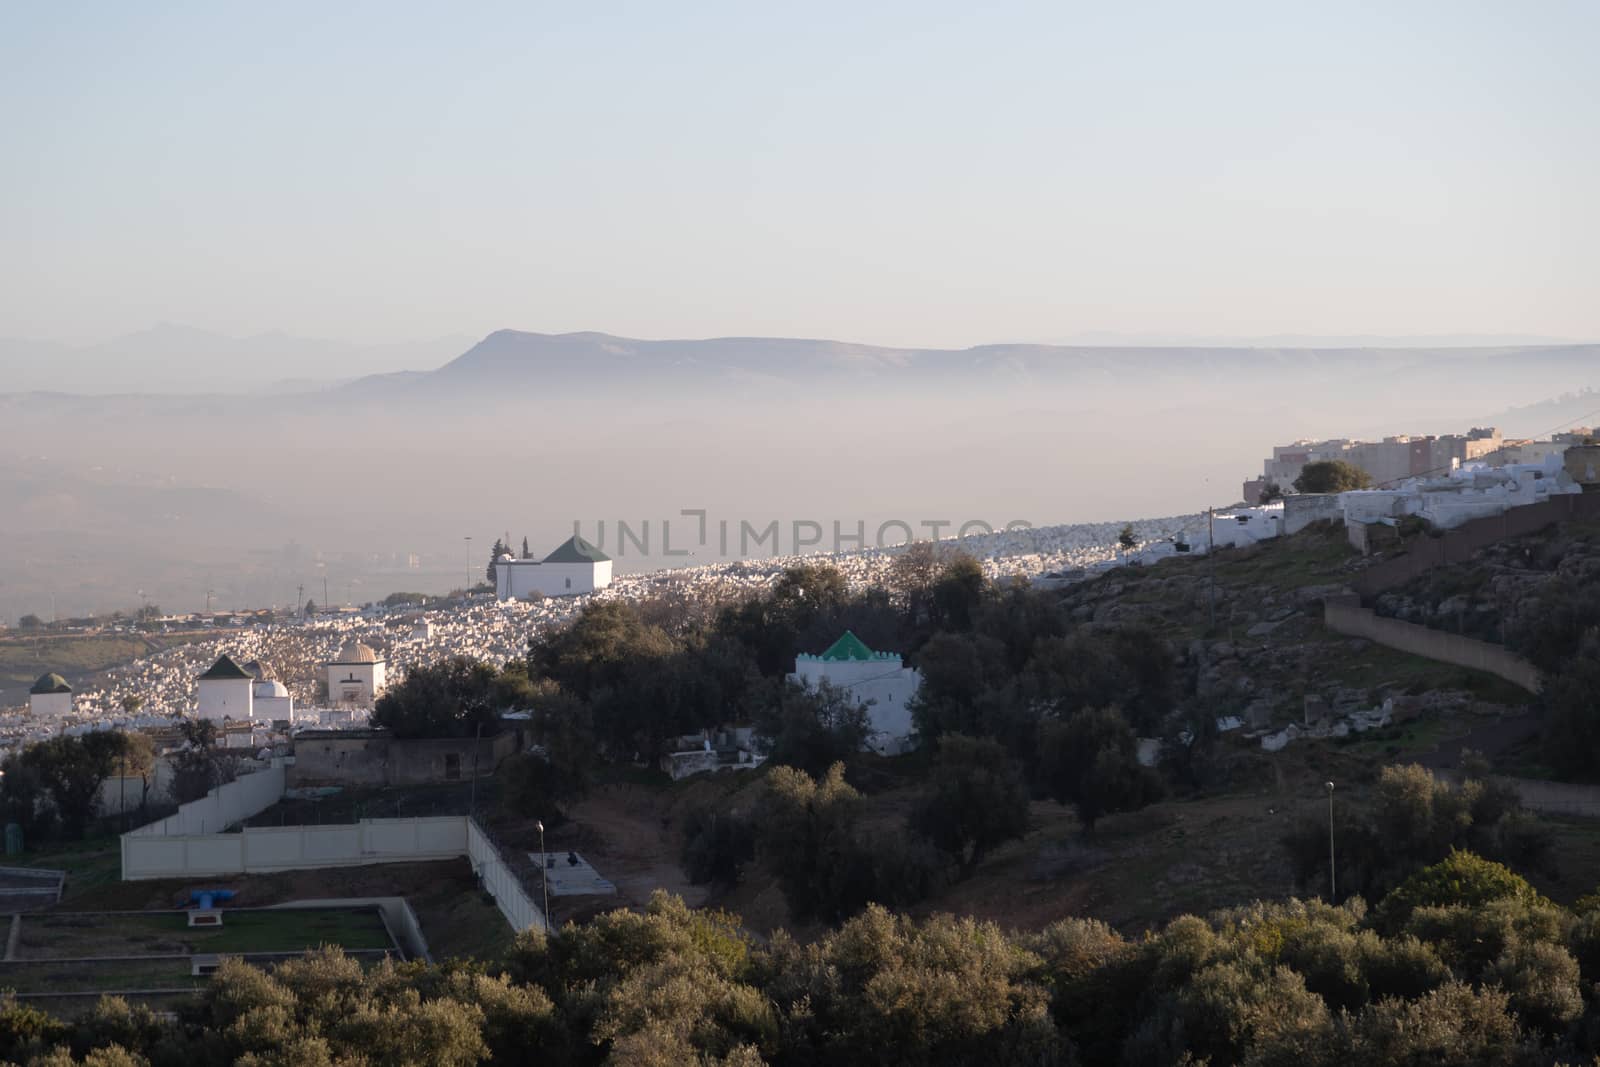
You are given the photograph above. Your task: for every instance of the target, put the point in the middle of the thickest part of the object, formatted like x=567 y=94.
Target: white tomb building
x=880 y=680
x=271 y=701
x=50 y=697
x=574 y=568
x=355 y=677
x=227 y=691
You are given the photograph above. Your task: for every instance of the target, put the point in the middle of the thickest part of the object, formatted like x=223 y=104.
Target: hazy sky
x=903 y=173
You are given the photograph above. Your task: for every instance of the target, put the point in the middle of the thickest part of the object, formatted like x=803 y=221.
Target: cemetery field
x=23 y=657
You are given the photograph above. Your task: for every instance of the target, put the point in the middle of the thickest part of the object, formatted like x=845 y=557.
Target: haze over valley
x=373 y=481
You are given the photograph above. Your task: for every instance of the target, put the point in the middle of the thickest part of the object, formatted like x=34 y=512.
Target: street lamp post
x=1333 y=892
x=544 y=875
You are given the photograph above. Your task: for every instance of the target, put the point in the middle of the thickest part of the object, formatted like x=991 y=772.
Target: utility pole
x=544 y=873
x=1211 y=564
x=300 y=598
x=1333 y=891
x=208 y=601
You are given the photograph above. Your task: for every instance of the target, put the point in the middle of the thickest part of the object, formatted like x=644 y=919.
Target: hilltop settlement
x=724 y=814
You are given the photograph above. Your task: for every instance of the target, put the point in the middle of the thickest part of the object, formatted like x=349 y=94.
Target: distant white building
x=574 y=568
x=421 y=631
x=1473 y=491
x=880 y=680
x=271 y=702
x=1244 y=526
x=227 y=691
x=50 y=697
x=355 y=677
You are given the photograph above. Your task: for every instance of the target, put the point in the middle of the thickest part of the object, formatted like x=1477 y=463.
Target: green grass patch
x=65 y=935
x=66 y=976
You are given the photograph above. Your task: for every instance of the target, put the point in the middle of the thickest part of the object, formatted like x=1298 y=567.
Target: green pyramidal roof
x=50 y=683
x=226 y=668
x=848 y=647
x=576 y=550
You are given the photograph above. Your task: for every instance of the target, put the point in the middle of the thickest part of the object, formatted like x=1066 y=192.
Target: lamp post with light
x=1333 y=892
x=544 y=875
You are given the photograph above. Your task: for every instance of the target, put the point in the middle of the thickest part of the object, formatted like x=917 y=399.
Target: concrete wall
x=260 y=850
x=256 y=851
x=1458 y=545
x=222 y=807
x=1302 y=509
x=1346 y=615
x=364 y=759
x=501 y=882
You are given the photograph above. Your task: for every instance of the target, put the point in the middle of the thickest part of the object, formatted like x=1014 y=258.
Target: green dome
x=50 y=683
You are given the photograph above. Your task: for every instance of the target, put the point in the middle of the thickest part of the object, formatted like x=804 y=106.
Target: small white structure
x=227 y=691
x=237 y=735
x=271 y=702
x=707 y=752
x=50 y=697
x=355 y=677
x=567 y=874
x=1472 y=491
x=574 y=568
x=422 y=631
x=1243 y=526
x=877 y=679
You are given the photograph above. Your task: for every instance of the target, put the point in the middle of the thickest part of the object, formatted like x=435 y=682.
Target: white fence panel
x=502 y=882
x=219 y=809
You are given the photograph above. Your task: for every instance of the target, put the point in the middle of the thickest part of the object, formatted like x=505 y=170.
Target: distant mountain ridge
x=576 y=359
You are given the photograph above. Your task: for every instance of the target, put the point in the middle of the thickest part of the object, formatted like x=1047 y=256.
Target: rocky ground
x=1504 y=588
x=1248 y=624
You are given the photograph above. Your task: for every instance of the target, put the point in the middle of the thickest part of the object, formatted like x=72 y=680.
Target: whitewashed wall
x=502 y=883
x=219 y=809
x=191 y=843
x=261 y=850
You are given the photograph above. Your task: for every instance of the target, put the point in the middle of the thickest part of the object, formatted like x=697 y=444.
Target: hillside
x=1251 y=623
x=1200 y=848
x=1507 y=590
x=562 y=361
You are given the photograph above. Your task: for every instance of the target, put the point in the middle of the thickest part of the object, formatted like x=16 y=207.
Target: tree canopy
x=452 y=698
x=1331 y=476
x=1505 y=980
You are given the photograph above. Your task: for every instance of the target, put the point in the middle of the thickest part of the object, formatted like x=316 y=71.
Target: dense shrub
x=1461 y=878
x=975 y=800
x=1285 y=984
x=716 y=845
